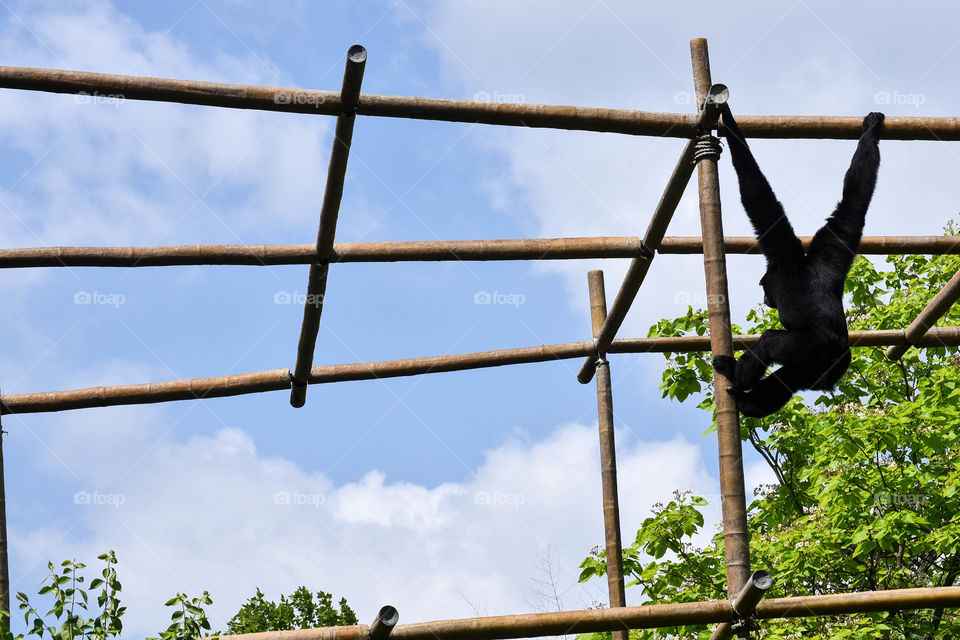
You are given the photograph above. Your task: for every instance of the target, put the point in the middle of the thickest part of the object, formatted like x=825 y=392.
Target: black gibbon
x=806 y=289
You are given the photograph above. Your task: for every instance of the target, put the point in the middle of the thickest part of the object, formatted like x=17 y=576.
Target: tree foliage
x=299 y=611
x=72 y=615
x=868 y=477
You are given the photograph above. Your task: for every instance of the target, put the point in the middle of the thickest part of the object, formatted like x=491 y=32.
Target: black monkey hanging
x=806 y=289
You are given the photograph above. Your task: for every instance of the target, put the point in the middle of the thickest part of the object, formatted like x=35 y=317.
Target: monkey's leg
x=770 y=394
x=775 y=346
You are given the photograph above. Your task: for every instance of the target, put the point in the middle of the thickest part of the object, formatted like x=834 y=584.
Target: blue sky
x=389 y=470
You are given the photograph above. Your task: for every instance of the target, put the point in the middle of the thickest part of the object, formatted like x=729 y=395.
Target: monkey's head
x=767 y=293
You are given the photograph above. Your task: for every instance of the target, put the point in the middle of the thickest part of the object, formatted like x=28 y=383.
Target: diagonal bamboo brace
x=333 y=193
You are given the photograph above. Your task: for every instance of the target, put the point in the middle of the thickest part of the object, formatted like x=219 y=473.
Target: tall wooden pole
x=736 y=537
x=4 y=566
x=608 y=454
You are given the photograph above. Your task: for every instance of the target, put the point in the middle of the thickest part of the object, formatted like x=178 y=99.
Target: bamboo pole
x=652 y=238
x=531 y=625
x=4 y=558
x=869 y=245
x=277 y=379
x=934 y=310
x=281 y=254
x=736 y=537
x=608 y=454
x=423 y=251
x=329 y=210
x=99 y=86
x=387 y=618
x=745 y=604
x=308 y=101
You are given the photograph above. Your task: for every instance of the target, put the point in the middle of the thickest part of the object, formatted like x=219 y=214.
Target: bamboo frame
x=608 y=453
x=348 y=103
x=532 y=625
x=311 y=101
x=332 y=194
x=733 y=502
x=934 y=310
x=657 y=228
x=278 y=379
x=422 y=251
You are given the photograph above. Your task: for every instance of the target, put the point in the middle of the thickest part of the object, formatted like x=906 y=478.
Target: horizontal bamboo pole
x=98 y=86
x=934 y=310
x=311 y=101
x=147 y=393
x=531 y=625
x=280 y=254
x=869 y=245
x=421 y=251
x=276 y=379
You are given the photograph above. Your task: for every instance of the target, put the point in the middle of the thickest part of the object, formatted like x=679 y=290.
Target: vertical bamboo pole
x=736 y=538
x=608 y=453
x=4 y=567
x=329 y=210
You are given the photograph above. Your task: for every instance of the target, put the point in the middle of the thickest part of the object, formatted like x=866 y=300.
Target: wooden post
x=4 y=566
x=736 y=537
x=608 y=454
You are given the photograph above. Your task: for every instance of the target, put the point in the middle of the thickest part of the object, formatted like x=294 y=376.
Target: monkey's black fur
x=806 y=289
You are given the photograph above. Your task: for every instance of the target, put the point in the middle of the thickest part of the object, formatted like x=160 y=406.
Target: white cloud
x=212 y=513
x=149 y=173
x=802 y=58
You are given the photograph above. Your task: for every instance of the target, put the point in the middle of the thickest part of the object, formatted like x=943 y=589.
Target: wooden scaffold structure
x=745 y=587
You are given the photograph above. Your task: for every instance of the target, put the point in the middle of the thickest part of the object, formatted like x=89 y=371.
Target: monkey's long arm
x=773 y=230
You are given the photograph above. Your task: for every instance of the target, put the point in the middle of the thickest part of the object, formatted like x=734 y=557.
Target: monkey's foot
x=725 y=365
